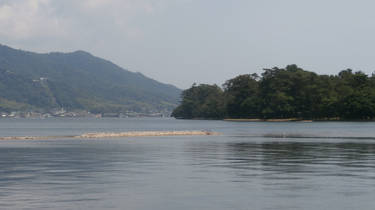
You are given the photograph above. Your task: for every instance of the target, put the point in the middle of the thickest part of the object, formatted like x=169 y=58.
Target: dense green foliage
x=77 y=81
x=203 y=101
x=290 y=92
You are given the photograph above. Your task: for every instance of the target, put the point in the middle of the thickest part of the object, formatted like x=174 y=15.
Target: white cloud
x=29 y=18
x=132 y=6
x=94 y=4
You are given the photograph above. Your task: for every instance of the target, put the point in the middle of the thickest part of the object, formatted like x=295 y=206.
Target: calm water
x=320 y=165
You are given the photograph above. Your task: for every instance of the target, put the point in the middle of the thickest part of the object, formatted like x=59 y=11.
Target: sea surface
x=252 y=165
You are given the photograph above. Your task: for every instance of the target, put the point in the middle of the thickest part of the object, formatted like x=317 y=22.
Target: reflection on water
x=296 y=157
x=239 y=170
x=292 y=172
x=299 y=159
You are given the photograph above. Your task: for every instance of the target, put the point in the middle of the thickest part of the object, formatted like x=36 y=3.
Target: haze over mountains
x=77 y=81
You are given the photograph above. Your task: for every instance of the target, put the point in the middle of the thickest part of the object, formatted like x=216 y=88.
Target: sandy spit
x=147 y=133
x=114 y=135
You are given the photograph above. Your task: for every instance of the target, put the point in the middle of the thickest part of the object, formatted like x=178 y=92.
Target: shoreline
x=115 y=135
x=270 y=120
x=294 y=120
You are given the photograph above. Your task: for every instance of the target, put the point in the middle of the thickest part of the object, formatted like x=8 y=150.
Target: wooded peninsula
x=283 y=93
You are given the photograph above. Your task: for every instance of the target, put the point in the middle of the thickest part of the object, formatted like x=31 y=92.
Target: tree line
x=281 y=93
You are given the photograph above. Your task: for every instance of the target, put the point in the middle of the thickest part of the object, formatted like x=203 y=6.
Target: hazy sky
x=204 y=41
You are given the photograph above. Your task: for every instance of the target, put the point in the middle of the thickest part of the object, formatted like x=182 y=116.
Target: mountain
x=77 y=81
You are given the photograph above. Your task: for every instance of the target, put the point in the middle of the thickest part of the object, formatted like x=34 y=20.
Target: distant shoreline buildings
x=78 y=114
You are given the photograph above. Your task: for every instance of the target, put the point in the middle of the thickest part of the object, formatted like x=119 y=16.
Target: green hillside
x=77 y=81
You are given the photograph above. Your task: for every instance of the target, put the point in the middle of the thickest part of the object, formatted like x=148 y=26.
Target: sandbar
x=115 y=135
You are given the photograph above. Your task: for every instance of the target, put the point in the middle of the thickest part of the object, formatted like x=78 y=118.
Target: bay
x=251 y=165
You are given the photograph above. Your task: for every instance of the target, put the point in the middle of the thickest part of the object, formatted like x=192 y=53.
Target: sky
x=182 y=42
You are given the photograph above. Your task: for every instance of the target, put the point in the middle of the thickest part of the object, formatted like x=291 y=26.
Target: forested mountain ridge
x=77 y=81
x=281 y=93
